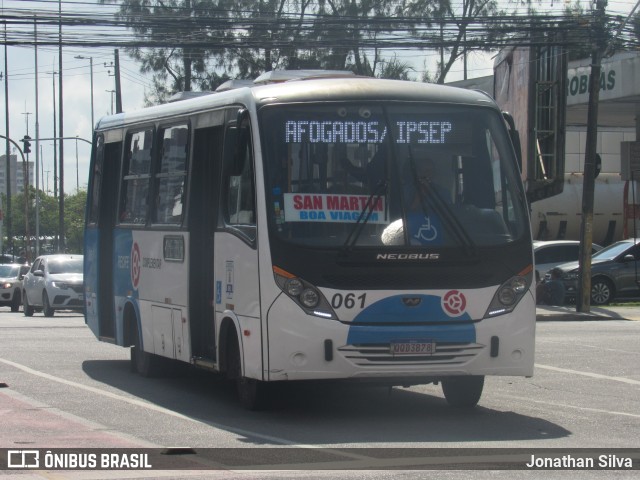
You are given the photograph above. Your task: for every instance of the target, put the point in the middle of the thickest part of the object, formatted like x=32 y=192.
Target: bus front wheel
x=251 y=393
x=464 y=391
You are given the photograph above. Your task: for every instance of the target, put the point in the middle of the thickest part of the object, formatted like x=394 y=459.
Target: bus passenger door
x=99 y=238
x=203 y=209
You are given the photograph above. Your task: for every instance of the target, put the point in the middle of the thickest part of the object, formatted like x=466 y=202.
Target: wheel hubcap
x=600 y=293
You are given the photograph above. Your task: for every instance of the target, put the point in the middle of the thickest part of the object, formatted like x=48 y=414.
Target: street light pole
x=80 y=57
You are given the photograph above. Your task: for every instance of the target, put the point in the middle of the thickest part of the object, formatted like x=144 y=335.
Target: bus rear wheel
x=144 y=363
x=464 y=391
x=251 y=392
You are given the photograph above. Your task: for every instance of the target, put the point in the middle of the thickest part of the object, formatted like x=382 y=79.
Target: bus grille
x=380 y=356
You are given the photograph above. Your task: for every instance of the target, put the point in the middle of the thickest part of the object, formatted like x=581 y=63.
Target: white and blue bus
x=339 y=228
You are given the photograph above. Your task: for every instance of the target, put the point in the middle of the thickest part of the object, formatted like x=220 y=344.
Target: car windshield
x=612 y=251
x=390 y=175
x=8 y=271
x=65 y=266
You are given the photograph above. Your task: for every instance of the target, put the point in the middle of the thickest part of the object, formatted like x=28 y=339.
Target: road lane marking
x=599 y=347
x=630 y=381
x=166 y=411
x=575 y=407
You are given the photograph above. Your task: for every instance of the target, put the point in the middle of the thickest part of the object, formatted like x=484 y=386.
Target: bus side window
x=137 y=170
x=239 y=204
x=171 y=175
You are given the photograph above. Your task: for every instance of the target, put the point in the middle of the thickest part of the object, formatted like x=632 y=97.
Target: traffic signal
x=27 y=144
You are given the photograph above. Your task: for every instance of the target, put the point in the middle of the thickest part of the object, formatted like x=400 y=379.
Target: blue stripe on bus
x=394 y=310
x=122 y=284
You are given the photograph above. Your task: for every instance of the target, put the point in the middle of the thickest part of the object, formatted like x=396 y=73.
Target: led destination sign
x=343 y=131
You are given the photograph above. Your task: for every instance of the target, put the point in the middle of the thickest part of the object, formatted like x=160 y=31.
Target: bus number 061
x=348 y=301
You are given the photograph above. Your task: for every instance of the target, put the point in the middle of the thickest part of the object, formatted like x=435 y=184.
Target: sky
x=21 y=63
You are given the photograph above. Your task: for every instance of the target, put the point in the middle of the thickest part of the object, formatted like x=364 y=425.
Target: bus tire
x=145 y=363
x=464 y=391
x=28 y=309
x=46 y=305
x=251 y=392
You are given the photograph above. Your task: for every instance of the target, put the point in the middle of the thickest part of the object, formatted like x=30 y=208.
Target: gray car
x=11 y=275
x=54 y=282
x=615 y=271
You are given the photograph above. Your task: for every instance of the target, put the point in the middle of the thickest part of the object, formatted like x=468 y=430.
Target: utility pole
x=112 y=92
x=8 y=147
x=77 y=168
x=35 y=33
x=25 y=174
x=61 y=239
x=55 y=142
x=586 y=229
x=118 y=88
x=80 y=57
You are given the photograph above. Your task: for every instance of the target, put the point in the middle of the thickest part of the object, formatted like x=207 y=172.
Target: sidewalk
x=569 y=313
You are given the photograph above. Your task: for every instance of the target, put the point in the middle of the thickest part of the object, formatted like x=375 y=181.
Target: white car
x=550 y=254
x=11 y=284
x=54 y=282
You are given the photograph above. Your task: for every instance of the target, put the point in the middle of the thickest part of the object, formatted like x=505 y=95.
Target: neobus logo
x=408 y=256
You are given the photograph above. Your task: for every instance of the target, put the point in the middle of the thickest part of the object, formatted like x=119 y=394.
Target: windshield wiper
x=365 y=215
x=442 y=209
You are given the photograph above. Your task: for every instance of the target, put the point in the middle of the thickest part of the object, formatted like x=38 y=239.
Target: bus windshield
x=390 y=175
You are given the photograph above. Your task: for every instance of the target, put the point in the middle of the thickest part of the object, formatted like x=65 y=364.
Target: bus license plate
x=413 y=347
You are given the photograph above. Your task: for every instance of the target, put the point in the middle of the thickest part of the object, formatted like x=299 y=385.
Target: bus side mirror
x=515 y=137
x=242 y=132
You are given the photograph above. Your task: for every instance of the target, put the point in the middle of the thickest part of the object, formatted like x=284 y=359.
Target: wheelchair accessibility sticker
x=425 y=230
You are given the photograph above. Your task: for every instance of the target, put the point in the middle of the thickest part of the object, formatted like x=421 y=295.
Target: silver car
x=54 y=282
x=11 y=285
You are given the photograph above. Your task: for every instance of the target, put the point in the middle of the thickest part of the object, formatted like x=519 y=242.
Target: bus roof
x=342 y=88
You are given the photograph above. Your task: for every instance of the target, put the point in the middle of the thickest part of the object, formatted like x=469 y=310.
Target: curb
x=566 y=314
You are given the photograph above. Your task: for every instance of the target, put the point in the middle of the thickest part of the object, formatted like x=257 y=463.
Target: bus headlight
x=508 y=295
x=294 y=287
x=310 y=298
x=307 y=296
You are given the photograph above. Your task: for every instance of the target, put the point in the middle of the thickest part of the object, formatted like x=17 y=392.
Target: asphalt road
x=64 y=389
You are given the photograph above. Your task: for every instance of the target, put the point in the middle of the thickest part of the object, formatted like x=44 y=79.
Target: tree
x=177 y=68
x=74 y=208
x=452 y=28
x=351 y=30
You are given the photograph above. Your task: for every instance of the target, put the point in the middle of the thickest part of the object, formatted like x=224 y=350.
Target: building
x=17 y=174
x=616 y=200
